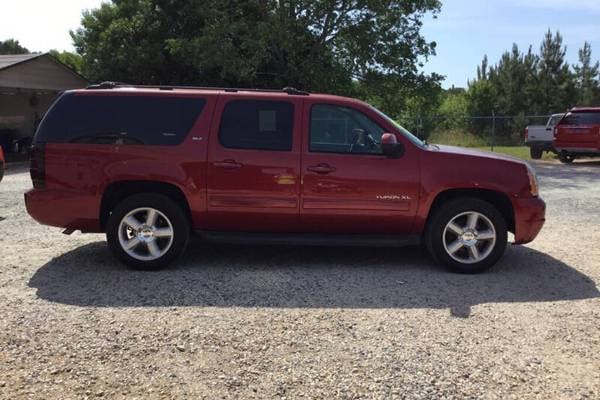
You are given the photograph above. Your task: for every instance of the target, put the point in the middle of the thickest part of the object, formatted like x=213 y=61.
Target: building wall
x=21 y=111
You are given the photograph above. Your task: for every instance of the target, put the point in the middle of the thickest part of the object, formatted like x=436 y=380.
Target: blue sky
x=466 y=30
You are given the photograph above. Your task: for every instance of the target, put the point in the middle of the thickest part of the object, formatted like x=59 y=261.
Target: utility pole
x=493 y=128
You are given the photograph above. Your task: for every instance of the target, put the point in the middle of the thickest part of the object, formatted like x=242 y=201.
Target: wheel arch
x=498 y=199
x=117 y=191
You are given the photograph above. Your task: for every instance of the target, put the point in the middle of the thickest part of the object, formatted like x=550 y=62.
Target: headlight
x=533 y=182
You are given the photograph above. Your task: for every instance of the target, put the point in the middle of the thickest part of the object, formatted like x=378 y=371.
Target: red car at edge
x=578 y=134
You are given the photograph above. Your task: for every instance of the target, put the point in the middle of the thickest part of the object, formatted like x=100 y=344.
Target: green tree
x=482 y=70
x=454 y=110
x=508 y=78
x=587 y=77
x=416 y=108
x=481 y=99
x=556 y=84
x=11 y=46
x=71 y=60
x=316 y=45
x=515 y=82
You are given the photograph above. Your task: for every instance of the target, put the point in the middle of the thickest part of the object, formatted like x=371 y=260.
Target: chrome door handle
x=321 y=168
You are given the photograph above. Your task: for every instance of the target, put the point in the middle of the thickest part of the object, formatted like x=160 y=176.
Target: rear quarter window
x=113 y=119
x=581 y=118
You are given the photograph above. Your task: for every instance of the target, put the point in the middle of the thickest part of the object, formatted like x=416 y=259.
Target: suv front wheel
x=467 y=235
x=147 y=231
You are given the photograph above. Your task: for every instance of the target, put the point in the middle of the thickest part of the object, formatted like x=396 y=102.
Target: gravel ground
x=285 y=322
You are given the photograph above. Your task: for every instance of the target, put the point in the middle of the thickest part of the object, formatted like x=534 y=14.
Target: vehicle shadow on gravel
x=305 y=277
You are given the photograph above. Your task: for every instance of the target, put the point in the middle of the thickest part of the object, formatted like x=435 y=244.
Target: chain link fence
x=475 y=131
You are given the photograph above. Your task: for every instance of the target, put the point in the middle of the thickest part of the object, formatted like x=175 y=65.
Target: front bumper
x=530 y=215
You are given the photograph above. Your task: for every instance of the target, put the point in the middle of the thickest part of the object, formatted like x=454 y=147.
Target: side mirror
x=390 y=146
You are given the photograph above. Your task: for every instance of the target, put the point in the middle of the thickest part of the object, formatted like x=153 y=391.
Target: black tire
x=536 y=153
x=170 y=209
x=445 y=213
x=566 y=158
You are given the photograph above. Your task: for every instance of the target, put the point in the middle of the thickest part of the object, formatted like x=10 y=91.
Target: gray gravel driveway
x=303 y=322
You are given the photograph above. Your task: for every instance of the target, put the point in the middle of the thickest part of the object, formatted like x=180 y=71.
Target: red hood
x=476 y=153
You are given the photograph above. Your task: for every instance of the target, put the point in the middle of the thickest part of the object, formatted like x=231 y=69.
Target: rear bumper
x=579 y=150
x=545 y=145
x=63 y=210
x=530 y=215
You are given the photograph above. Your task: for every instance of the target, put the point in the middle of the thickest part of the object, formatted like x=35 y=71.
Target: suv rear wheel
x=467 y=235
x=566 y=158
x=147 y=231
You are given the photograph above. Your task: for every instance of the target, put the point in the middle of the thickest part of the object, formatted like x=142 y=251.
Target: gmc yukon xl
x=149 y=166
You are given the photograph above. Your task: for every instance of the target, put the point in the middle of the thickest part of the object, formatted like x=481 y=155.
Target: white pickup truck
x=539 y=138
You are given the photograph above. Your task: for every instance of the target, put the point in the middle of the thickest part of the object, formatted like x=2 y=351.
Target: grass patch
x=521 y=152
x=457 y=137
x=462 y=138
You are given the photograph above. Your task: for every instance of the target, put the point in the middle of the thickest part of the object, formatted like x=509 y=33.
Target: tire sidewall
x=179 y=221
x=566 y=158
x=445 y=213
x=536 y=153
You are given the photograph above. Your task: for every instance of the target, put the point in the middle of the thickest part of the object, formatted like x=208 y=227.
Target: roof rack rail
x=114 y=85
x=106 y=85
x=294 y=91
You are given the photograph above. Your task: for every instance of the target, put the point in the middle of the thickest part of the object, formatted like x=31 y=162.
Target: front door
x=253 y=173
x=348 y=185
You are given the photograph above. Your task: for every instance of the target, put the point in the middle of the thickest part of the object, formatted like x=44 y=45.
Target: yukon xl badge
x=393 y=197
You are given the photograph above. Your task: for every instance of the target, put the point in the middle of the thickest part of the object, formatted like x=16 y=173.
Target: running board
x=310 y=239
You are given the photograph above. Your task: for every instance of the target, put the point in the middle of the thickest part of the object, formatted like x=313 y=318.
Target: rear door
x=349 y=186
x=580 y=131
x=253 y=173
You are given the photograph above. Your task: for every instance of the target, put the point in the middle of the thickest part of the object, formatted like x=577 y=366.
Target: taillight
x=37 y=166
x=526 y=133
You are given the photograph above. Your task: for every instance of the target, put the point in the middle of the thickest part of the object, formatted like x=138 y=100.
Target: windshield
x=415 y=140
x=554 y=119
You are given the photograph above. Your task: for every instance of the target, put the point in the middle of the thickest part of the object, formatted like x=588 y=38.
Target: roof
x=40 y=71
x=114 y=87
x=118 y=85
x=585 y=109
x=11 y=59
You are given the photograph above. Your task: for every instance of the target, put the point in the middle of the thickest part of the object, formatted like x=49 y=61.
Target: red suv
x=578 y=134
x=150 y=165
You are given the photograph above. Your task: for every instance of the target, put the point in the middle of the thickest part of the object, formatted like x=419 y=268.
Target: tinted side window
x=164 y=121
x=581 y=118
x=335 y=129
x=52 y=128
x=259 y=125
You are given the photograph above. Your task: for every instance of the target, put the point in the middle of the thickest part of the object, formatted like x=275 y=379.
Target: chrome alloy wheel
x=146 y=234
x=469 y=237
